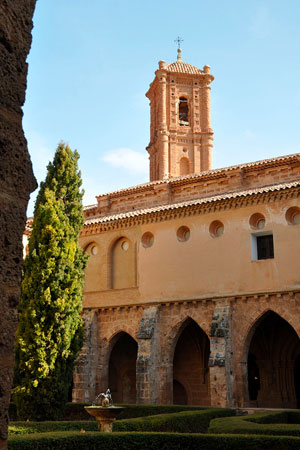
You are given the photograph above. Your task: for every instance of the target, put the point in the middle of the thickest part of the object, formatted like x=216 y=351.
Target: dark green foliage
x=181 y=422
x=149 y=441
x=50 y=329
x=49 y=427
x=76 y=411
x=283 y=423
x=133 y=411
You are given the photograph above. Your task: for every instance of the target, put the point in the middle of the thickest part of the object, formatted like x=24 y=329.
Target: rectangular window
x=265 y=247
x=262 y=245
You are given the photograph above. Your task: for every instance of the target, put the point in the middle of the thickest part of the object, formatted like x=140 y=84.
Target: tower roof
x=182 y=67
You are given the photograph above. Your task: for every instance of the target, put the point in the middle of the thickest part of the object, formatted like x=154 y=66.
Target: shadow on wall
x=191 y=384
x=274 y=364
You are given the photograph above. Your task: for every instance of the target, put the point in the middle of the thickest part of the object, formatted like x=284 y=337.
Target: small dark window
x=265 y=247
x=183 y=112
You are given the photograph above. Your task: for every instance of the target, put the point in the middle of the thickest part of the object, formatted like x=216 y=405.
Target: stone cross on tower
x=178 y=40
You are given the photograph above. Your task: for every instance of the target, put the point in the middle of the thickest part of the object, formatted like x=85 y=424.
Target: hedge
x=181 y=422
x=134 y=411
x=188 y=421
x=76 y=411
x=15 y=428
x=149 y=441
x=283 y=423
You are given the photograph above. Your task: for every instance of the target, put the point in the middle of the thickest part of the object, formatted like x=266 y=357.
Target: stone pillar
x=205 y=121
x=221 y=370
x=147 y=363
x=166 y=382
x=163 y=138
x=87 y=362
x=163 y=98
x=16 y=182
x=197 y=164
x=206 y=151
x=163 y=155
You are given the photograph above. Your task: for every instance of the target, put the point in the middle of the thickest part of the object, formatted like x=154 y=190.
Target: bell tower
x=180 y=129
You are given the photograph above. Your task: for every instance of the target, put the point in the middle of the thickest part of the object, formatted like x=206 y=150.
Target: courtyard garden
x=163 y=427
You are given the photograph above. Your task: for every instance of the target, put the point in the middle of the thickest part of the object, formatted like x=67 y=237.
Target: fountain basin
x=105 y=416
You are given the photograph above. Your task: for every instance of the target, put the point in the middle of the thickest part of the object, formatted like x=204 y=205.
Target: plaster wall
x=203 y=266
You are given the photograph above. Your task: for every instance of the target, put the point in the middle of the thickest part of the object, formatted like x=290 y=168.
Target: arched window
x=184 y=166
x=123 y=273
x=183 y=111
x=92 y=280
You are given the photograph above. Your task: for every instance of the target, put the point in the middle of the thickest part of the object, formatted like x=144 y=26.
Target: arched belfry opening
x=183 y=111
x=190 y=366
x=122 y=369
x=273 y=364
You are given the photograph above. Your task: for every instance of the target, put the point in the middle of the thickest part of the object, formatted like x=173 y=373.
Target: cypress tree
x=50 y=331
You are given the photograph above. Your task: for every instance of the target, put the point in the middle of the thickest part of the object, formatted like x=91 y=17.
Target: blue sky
x=92 y=61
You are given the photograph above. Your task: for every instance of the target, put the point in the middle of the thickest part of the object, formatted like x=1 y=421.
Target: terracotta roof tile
x=214 y=198
x=88 y=207
x=208 y=173
x=182 y=67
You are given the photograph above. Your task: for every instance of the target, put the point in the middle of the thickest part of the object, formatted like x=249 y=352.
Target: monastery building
x=192 y=290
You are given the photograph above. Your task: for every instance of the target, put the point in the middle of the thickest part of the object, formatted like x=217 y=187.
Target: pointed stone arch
x=190 y=354
x=121 y=367
x=271 y=349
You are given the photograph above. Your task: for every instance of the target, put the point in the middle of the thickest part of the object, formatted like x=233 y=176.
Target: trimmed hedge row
x=283 y=423
x=181 y=422
x=76 y=411
x=17 y=428
x=149 y=441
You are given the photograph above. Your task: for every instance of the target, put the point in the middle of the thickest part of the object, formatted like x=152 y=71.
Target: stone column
x=197 y=164
x=85 y=371
x=206 y=151
x=221 y=370
x=205 y=122
x=163 y=138
x=166 y=382
x=163 y=155
x=147 y=364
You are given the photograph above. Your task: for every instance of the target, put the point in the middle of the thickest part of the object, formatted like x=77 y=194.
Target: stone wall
x=16 y=180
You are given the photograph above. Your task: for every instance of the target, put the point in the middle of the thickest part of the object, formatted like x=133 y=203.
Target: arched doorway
x=122 y=369
x=190 y=366
x=273 y=363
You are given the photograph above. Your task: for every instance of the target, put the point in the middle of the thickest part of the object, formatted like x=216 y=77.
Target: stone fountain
x=106 y=413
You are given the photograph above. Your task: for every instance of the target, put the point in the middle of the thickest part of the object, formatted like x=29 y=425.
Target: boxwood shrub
x=181 y=422
x=282 y=423
x=76 y=411
x=149 y=441
x=15 y=428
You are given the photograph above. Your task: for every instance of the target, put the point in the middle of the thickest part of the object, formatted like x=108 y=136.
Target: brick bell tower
x=180 y=131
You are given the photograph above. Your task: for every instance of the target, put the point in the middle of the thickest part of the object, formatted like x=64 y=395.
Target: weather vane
x=178 y=40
